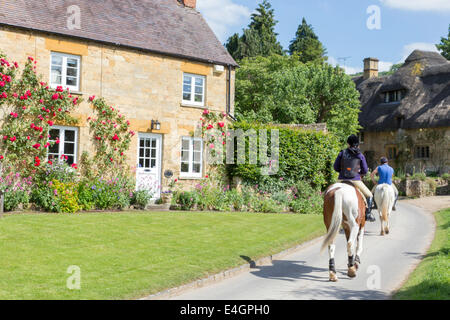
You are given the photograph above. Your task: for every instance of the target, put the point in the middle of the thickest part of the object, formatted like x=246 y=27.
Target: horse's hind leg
x=332 y=267
x=359 y=248
x=354 y=228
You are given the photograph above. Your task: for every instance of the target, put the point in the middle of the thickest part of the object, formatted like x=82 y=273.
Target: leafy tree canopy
x=259 y=39
x=281 y=89
x=444 y=46
x=306 y=45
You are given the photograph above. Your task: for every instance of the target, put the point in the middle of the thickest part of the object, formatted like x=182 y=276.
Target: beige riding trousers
x=361 y=187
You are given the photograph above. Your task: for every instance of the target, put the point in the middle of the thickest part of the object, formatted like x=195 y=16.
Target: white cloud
x=418 y=5
x=384 y=66
x=425 y=46
x=223 y=14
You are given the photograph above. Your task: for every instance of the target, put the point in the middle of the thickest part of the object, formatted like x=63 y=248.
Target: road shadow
x=289 y=271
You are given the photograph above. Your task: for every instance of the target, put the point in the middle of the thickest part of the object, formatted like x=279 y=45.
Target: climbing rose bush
x=111 y=135
x=30 y=108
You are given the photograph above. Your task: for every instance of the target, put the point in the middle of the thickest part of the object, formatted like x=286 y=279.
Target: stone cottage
x=155 y=60
x=406 y=116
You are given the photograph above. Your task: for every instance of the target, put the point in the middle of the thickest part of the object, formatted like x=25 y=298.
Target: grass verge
x=130 y=255
x=431 y=279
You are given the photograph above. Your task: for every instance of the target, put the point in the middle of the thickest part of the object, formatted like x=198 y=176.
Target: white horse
x=344 y=205
x=384 y=198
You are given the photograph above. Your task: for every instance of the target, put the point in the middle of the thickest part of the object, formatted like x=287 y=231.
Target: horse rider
x=351 y=165
x=385 y=173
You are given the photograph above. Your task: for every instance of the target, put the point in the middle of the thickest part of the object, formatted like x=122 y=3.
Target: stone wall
x=377 y=144
x=142 y=85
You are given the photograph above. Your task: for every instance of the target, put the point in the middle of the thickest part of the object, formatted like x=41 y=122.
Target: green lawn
x=130 y=255
x=431 y=279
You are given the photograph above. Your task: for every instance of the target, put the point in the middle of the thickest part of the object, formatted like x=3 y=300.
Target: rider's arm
x=364 y=166
x=337 y=163
x=372 y=175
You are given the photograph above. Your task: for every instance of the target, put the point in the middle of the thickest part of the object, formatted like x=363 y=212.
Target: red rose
x=37 y=146
x=55 y=96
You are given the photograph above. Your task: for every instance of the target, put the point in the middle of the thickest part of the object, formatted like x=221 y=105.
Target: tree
x=281 y=89
x=444 y=46
x=259 y=39
x=306 y=45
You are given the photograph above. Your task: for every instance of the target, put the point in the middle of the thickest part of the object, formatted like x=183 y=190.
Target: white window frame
x=192 y=101
x=63 y=83
x=191 y=173
x=62 y=136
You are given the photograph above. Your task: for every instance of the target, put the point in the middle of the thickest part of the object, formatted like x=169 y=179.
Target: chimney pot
x=190 y=3
x=370 y=68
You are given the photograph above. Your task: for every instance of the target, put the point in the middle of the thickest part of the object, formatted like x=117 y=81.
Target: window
x=422 y=152
x=66 y=144
x=191 y=157
x=65 y=71
x=194 y=89
x=148 y=153
x=394 y=96
x=392 y=152
x=361 y=136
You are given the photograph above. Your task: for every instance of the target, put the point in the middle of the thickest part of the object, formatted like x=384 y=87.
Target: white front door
x=148 y=172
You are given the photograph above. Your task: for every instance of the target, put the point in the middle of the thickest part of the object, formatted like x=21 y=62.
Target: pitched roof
x=425 y=77
x=160 y=26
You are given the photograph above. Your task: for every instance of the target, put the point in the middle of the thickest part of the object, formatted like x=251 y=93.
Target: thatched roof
x=425 y=77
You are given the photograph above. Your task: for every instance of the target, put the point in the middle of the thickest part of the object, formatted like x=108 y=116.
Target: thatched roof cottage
x=406 y=116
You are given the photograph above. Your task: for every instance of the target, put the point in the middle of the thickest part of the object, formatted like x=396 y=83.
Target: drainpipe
x=229 y=95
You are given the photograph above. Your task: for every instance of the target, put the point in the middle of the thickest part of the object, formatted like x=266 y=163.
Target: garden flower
x=1 y=157
x=37 y=146
x=13 y=139
x=2 y=83
x=115 y=138
x=50 y=123
x=221 y=124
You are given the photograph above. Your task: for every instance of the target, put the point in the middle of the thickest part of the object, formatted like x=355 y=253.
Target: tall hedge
x=304 y=155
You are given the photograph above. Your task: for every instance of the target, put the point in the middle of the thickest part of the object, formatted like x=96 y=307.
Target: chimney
x=370 y=68
x=190 y=3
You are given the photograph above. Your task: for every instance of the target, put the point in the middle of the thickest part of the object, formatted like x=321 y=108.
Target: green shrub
x=306 y=199
x=419 y=176
x=446 y=177
x=305 y=155
x=187 y=200
x=141 y=198
x=13 y=199
x=66 y=195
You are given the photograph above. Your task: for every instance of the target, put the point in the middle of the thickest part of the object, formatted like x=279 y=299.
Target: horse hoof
x=382 y=233
x=356 y=265
x=387 y=231
x=351 y=272
x=333 y=277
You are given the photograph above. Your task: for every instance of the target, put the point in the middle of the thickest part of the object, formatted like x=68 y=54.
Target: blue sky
x=341 y=25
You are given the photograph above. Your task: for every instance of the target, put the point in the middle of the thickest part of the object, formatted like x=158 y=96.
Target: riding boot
x=369 y=215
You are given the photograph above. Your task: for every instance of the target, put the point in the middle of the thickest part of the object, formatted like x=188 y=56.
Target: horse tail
x=336 y=220
x=385 y=202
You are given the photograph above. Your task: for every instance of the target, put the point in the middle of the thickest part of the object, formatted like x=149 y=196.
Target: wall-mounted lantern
x=156 y=125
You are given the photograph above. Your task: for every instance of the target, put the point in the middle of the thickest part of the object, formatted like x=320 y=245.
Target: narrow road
x=386 y=262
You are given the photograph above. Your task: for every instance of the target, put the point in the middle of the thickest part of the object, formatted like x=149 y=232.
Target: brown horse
x=344 y=205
